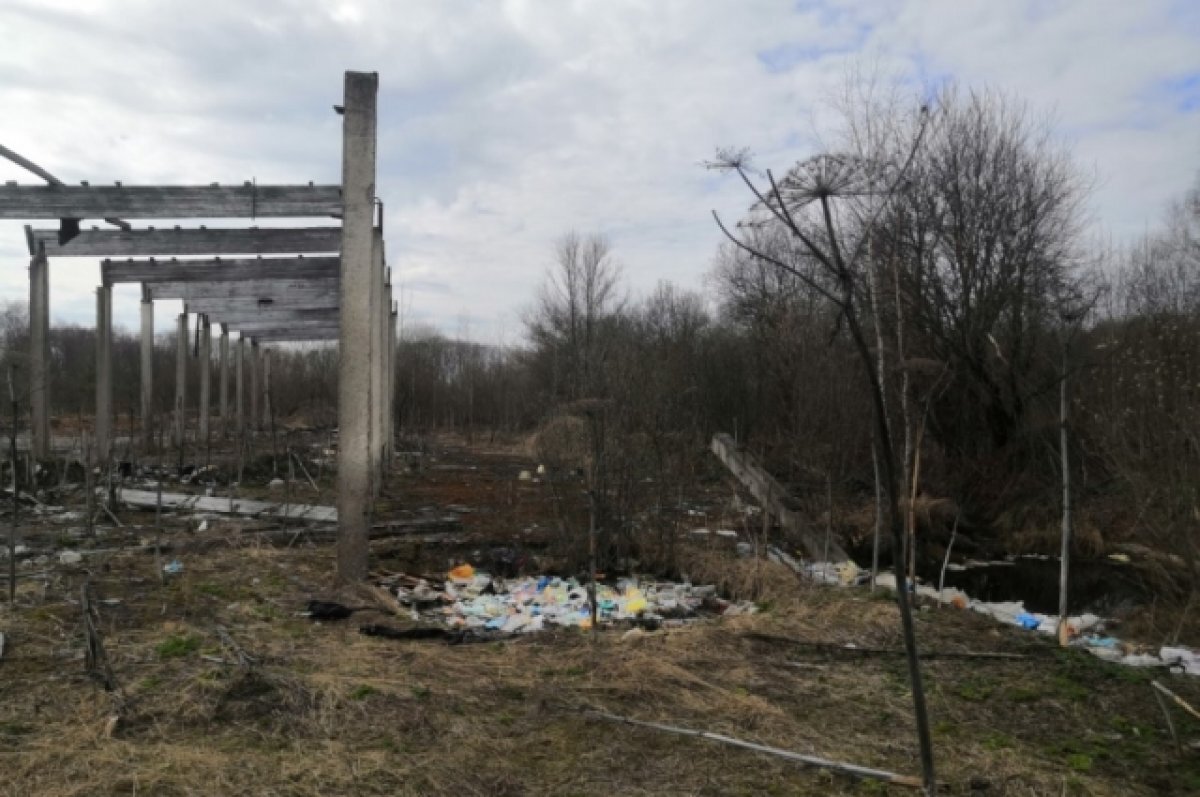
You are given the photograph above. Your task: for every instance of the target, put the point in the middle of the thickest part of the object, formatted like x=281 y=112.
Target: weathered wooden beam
x=28 y=202
x=276 y=290
x=189 y=241
x=774 y=498
x=218 y=270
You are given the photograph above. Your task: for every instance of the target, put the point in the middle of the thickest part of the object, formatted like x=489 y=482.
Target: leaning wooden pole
x=356 y=330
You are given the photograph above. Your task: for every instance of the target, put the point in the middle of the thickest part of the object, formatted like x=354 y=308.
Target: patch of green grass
x=1080 y=762
x=15 y=728
x=420 y=692
x=998 y=741
x=149 y=683
x=213 y=589
x=177 y=646
x=362 y=692
x=1069 y=689
x=1022 y=694
x=976 y=690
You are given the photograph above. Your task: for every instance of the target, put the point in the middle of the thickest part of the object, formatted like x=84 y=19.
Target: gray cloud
x=503 y=124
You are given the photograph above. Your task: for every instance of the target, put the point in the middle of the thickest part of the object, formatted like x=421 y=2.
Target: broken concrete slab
x=775 y=499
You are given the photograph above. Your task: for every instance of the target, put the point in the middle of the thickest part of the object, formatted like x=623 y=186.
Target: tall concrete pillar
x=377 y=361
x=104 y=414
x=181 y=352
x=39 y=354
x=223 y=382
x=238 y=388
x=147 y=369
x=255 y=362
x=391 y=387
x=268 y=410
x=356 y=327
x=205 y=377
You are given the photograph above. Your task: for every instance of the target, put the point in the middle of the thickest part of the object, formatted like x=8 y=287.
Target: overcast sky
x=505 y=123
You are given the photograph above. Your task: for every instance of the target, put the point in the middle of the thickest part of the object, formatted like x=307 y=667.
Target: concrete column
x=268 y=411
x=104 y=415
x=356 y=329
x=39 y=354
x=147 y=369
x=255 y=361
x=377 y=361
x=223 y=384
x=238 y=389
x=385 y=316
x=205 y=377
x=181 y=352
x=391 y=391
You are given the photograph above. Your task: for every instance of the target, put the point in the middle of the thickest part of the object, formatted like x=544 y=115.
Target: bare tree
x=579 y=295
x=829 y=207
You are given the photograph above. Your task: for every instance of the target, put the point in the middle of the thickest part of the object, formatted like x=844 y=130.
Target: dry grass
x=328 y=711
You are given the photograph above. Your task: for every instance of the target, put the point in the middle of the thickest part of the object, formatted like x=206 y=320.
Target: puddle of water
x=1098 y=587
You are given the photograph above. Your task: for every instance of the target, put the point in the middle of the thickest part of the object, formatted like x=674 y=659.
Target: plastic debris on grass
x=470 y=599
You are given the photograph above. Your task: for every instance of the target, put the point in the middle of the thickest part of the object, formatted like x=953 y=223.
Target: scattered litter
x=275 y=484
x=525 y=476
x=70 y=557
x=173 y=567
x=1187 y=660
x=1028 y=621
x=203 y=526
x=1084 y=631
x=462 y=573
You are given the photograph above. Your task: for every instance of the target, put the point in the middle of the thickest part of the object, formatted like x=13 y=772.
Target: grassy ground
x=322 y=710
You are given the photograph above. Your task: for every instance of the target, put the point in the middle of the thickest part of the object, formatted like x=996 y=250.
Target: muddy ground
x=221 y=686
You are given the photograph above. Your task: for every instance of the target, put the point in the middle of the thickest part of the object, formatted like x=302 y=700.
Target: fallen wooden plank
x=147 y=499
x=774 y=498
x=853 y=770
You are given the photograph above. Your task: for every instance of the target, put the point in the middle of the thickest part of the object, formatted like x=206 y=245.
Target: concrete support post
x=104 y=414
x=391 y=388
x=255 y=361
x=377 y=361
x=238 y=389
x=356 y=328
x=147 y=369
x=223 y=382
x=181 y=352
x=39 y=354
x=268 y=411
x=205 y=377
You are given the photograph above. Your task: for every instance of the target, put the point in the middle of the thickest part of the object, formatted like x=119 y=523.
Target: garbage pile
x=473 y=600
